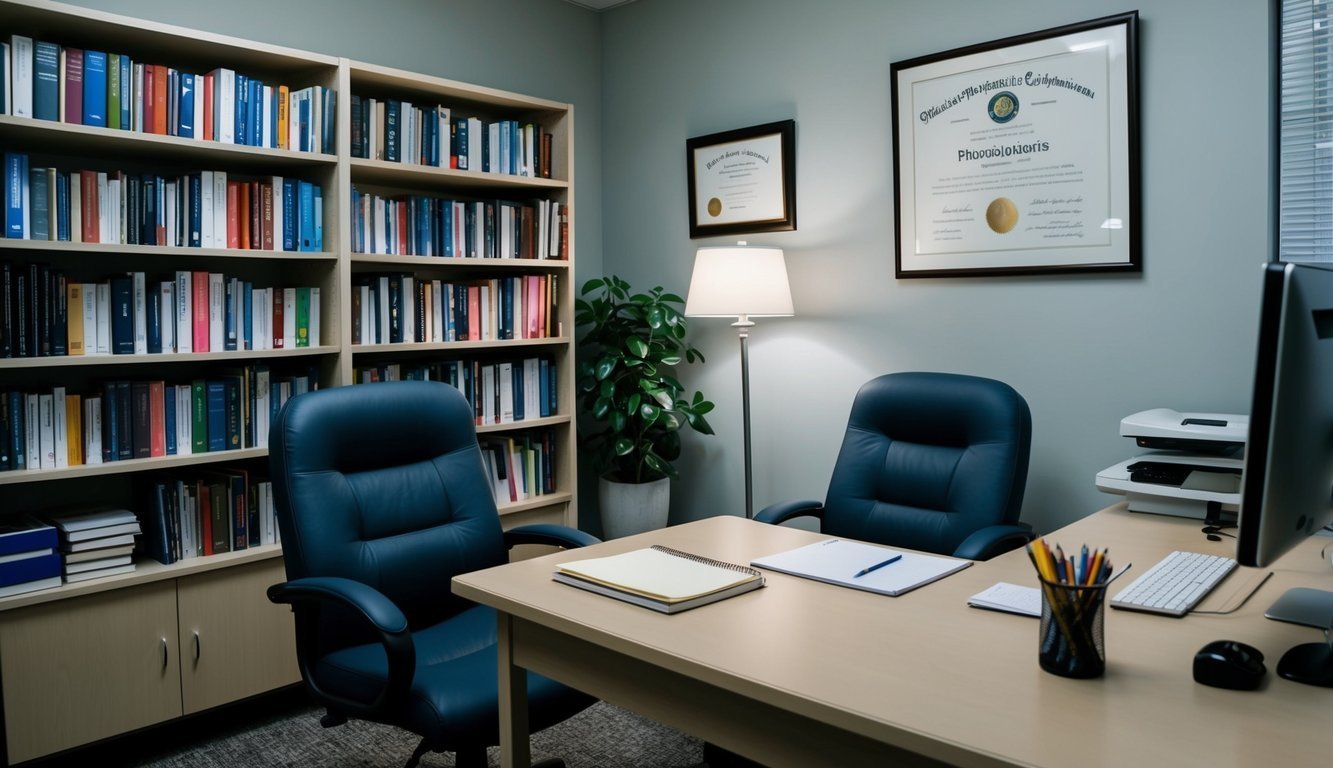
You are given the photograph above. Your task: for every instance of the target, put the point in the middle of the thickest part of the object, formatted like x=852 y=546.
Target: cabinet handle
x=165 y=656
x=196 y=646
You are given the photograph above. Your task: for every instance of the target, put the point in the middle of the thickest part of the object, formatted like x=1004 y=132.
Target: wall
x=1084 y=350
x=541 y=48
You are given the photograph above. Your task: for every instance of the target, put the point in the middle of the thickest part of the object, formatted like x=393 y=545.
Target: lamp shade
x=736 y=280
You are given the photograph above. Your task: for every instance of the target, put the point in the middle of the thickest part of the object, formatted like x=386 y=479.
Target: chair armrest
x=307 y=596
x=546 y=533
x=786 y=510
x=993 y=540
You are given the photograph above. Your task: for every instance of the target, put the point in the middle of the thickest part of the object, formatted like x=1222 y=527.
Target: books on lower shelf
x=862 y=566
x=99 y=541
x=28 y=557
x=660 y=578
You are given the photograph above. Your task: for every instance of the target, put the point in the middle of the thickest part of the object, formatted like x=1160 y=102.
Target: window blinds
x=1305 y=176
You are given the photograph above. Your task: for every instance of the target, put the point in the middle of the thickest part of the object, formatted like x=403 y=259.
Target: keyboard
x=1175 y=584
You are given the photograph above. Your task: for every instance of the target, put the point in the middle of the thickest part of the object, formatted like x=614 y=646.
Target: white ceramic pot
x=629 y=508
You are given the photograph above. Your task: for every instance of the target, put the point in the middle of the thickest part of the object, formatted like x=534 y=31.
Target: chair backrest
x=384 y=484
x=929 y=458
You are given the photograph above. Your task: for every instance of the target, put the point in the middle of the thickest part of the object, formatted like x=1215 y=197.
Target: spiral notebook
x=660 y=578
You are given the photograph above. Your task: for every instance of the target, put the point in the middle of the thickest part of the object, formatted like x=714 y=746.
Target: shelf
x=164 y=251
x=126 y=466
x=468 y=263
x=391 y=174
x=81 y=361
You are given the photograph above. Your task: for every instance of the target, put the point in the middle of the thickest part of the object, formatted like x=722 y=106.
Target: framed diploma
x=1020 y=156
x=743 y=180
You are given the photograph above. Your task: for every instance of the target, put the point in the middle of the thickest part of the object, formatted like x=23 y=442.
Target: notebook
x=839 y=561
x=660 y=578
x=1012 y=598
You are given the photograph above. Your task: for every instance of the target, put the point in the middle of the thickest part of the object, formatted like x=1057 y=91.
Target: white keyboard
x=1175 y=584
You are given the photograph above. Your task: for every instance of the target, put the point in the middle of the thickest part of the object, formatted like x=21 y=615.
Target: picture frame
x=1020 y=155
x=743 y=180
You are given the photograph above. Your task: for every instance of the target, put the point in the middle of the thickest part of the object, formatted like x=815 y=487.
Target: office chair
x=935 y=462
x=381 y=498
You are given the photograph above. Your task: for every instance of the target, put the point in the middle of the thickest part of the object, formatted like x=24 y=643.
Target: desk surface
x=926 y=673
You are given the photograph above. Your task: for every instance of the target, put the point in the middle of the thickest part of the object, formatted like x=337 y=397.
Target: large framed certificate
x=1021 y=155
x=743 y=180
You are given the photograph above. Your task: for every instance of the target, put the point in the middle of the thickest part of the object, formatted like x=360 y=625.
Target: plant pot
x=630 y=508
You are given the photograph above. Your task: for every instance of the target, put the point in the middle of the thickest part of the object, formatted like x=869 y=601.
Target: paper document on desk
x=1010 y=598
x=838 y=561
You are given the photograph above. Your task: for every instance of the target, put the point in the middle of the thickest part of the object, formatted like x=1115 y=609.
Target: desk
x=801 y=673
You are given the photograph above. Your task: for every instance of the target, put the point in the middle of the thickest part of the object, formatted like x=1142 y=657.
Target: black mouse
x=1229 y=664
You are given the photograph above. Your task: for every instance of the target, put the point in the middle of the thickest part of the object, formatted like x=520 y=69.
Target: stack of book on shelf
x=28 y=557
x=97 y=543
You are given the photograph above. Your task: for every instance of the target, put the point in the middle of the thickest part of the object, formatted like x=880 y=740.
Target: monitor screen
x=1287 y=482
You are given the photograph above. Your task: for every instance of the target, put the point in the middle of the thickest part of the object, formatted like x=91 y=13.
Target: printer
x=1191 y=466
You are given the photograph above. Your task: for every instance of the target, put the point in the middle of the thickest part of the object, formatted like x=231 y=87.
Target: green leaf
x=624 y=446
x=637 y=346
x=605 y=366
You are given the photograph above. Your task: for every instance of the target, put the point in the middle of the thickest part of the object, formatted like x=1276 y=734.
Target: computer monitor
x=1287 y=481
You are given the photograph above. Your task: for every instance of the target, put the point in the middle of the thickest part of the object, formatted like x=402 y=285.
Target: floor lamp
x=743 y=282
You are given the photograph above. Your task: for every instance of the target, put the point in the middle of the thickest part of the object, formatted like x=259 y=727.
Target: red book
x=74 y=85
x=199 y=304
x=267 y=191
x=160 y=83
x=92 y=223
x=157 y=419
x=205 y=515
x=278 y=341
x=244 y=216
x=233 y=214
x=474 y=313
x=532 y=310
x=149 y=107
x=207 y=93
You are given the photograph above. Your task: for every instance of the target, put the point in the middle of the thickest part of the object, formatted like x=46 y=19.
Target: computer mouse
x=1229 y=664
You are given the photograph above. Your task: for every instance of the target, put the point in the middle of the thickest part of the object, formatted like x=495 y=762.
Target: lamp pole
x=742 y=325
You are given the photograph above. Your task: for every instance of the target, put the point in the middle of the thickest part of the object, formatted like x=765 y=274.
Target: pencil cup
x=1072 y=642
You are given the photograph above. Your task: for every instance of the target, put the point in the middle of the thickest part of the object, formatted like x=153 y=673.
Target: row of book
x=207 y=512
x=399 y=131
x=65 y=547
x=204 y=209
x=501 y=392
x=45 y=314
x=403 y=308
x=421 y=225
x=520 y=467
x=45 y=80
x=54 y=428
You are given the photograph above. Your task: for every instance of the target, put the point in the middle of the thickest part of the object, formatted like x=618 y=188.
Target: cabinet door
x=235 y=642
x=79 y=670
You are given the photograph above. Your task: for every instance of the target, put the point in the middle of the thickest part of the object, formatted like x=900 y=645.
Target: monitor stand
x=1309 y=663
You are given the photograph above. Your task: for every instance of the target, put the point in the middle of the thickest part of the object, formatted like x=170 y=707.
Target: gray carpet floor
x=602 y=736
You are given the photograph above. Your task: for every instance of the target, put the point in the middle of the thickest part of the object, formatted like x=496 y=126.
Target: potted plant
x=631 y=343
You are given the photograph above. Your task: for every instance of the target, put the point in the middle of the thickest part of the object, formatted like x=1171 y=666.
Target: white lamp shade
x=736 y=280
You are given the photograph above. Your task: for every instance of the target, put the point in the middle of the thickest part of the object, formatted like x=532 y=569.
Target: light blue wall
x=1084 y=350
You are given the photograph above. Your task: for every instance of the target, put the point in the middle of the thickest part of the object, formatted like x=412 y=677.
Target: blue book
x=544 y=386
x=125 y=415
x=62 y=207
x=25 y=533
x=30 y=569
x=39 y=216
x=169 y=417
x=94 y=88
x=16 y=192
x=122 y=315
x=289 y=223
x=256 y=113
x=458 y=143
x=153 y=312
x=46 y=81
x=18 y=431
x=240 y=97
x=229 y=290
x=216 y=399
x=317 y=203
x=126 y=102
x=195 y=239
x=247 y=315
x=110 y=421
x=305 y=229
x=157 y=527
x=185 y=106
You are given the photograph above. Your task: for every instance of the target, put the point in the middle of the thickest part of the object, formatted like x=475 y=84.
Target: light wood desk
x=801 y=673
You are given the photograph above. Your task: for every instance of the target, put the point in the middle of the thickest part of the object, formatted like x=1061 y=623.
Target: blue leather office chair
x=381 y=498
x=936 y=462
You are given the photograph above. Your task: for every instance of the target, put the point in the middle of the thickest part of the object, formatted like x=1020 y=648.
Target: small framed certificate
x=743 y=180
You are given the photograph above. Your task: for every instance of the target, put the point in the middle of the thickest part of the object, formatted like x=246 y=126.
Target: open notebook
x=660 y=578
x=862 y=566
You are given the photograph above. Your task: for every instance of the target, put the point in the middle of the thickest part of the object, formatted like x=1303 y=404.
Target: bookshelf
x=170 y=640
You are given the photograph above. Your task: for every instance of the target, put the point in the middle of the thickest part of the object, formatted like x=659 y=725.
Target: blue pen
x=876 y=566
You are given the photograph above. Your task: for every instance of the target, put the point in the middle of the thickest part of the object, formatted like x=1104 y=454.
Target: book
x=98 y=553
x=1011 y=598
x=84 y=525
x=856 y=564
x=95 y=544
x=29 y=569
x=94 y=88
x=660 y=578
x=92 y=565
x=30 y=586
x=99 y=573
x=25 y=533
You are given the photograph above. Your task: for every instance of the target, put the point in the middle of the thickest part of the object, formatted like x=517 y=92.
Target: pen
x=876 y=566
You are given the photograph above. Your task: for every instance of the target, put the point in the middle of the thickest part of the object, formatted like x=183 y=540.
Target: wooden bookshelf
x=184 y=637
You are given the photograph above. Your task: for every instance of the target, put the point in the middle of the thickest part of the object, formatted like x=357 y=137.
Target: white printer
x=1191 y=469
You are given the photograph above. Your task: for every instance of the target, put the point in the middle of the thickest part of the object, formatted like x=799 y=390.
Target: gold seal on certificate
x=1001 y=215
x=714 y=207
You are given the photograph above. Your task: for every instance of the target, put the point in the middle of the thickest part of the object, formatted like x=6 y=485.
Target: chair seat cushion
x=453 y=701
